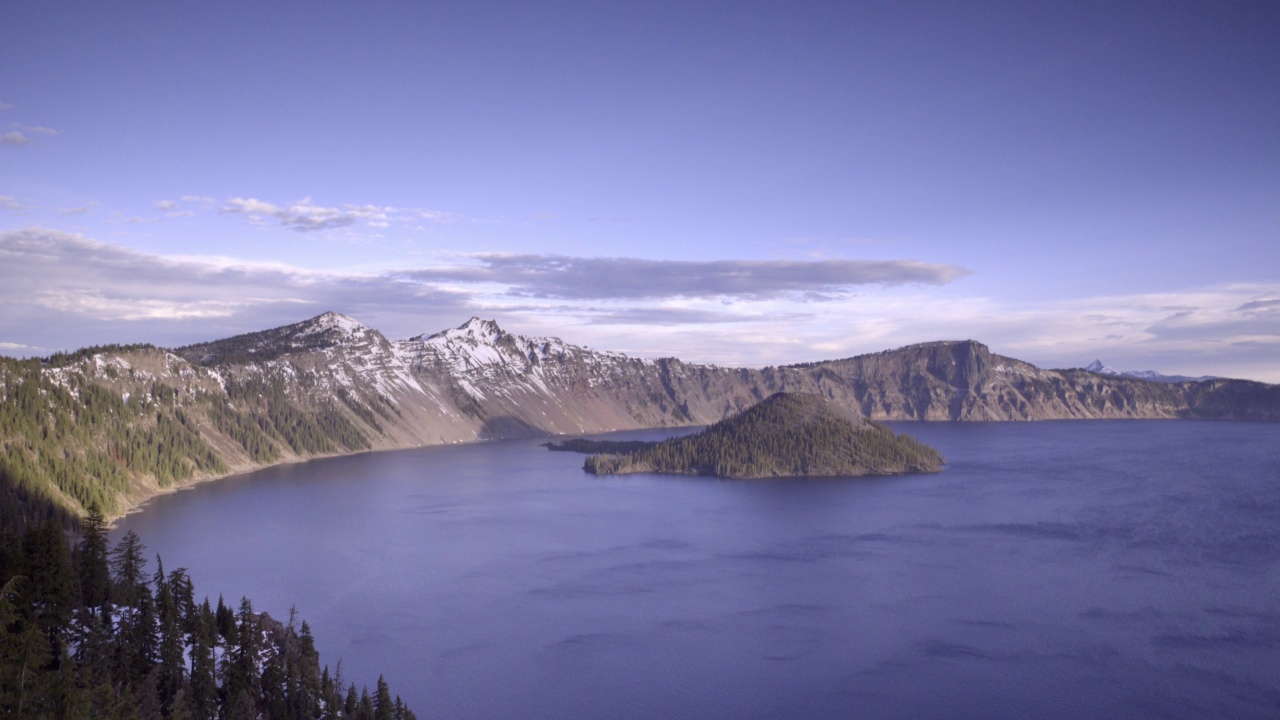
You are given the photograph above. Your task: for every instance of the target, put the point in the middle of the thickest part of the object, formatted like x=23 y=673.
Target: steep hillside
x=113 y=425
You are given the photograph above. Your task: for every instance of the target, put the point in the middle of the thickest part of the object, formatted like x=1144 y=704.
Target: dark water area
x=1126 y=569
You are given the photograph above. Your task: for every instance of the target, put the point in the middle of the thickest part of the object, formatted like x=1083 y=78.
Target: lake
x=1097 y=569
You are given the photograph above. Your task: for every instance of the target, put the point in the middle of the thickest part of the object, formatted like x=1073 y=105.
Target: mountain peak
x=330 y=321
x=474 y=331
x=1097 y=367
x=323 y=331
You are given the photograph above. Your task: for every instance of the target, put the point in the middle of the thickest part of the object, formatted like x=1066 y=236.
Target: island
x=785 y=435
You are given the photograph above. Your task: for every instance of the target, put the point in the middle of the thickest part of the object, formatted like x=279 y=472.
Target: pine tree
x=51 y=585
x=242 y=676
x=91 y=561
x=274 y=684
x=310 y=684
x=383 y=708
x=352 y=705
x=129 y=568
x=24 y=654
x=204 y=683
x=171 y=643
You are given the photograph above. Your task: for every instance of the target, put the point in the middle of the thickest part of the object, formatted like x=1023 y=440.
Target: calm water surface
x=1058 y=569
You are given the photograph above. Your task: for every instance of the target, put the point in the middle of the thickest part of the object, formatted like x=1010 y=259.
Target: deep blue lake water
x=1099 y=569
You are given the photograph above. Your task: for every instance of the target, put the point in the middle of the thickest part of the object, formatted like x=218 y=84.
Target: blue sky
x=738 y=183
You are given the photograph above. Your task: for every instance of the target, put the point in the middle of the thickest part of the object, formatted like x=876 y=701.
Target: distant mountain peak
x=1098 y=367
x=474 y=330
x=331 y=321
x=480 y=328
x=323 y=331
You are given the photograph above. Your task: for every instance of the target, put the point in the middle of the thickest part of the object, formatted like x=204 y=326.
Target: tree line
x=86 y=633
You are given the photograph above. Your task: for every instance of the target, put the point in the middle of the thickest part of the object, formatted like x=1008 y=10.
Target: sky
x=739 y=183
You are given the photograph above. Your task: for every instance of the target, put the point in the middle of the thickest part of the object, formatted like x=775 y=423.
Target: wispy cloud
x=9 y=202
x=306 y=216
x=19 y=347
x=175 y=208
x=302 y=216
x=21 y=134
x=558 y=276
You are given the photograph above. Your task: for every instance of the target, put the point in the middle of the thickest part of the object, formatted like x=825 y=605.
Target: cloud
x=558 y=276
x=306 y=216
x=5 y=106
x=173 y=209
x=302 y=216
x=9 y=202
x=660 y=316
x=19 y=347
x=62 y=290
x=20 y=134
x=1261 y=305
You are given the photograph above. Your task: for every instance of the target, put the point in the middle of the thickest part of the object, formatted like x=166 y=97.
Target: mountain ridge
x=330 y=385
x=1097 y=366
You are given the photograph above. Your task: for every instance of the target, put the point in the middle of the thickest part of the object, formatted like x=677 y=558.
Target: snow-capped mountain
x=332 y=385
x=1097 y=366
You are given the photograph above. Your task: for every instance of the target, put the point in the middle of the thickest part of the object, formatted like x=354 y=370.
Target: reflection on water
x=1099 y=569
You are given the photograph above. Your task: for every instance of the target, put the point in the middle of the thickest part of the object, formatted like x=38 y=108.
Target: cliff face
x=330 y=385
x=965 y=381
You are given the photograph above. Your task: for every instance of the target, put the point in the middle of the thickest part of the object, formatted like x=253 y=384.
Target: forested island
x=86 y=632
x=785 y=435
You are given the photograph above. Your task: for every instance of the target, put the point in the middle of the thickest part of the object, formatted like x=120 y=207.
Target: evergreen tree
x=383 y=708
x=129 y=568
x=91 y=561
x=24 y=654
x=274 y=684
x=51 y=585
x=351 y=707
x=170 y=668
x=136 y=640
x=204 y=683
x=242 y=676
x=310 y=681
x=226 y=621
